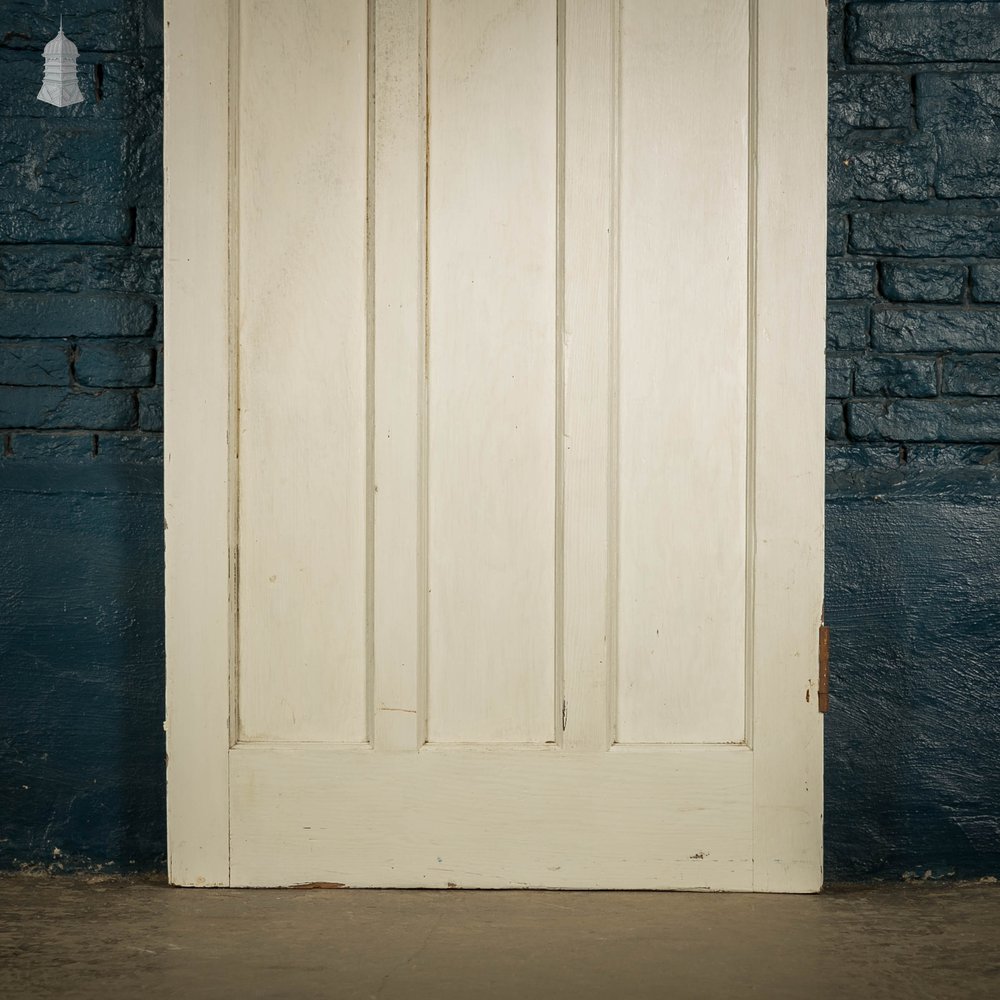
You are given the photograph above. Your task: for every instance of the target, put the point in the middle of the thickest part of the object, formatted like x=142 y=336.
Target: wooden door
x=494 y=459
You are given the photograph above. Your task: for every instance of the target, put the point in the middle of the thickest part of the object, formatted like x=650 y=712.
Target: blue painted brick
x=912 y=32
x=151 y=410
x=846 y=326
x=81 y=268
x=860 y=457
x=869 y=100
x=142 y=449
x=905 y=282
x=50 y=446
x=839 y=376
x=34 y=364
x=877 y=169
x=905 y=330
x=834 y=421
x=925 y=234
x=51 y=409
x=960 y=111
x=974 y=375
x=35 y=315
x=986 y=283
x=973 y=420
x=836 y=233
x=914 y=377
x=945 y=456
x=69 y=223
x=115 y=364
x=845 y=279
x=93 y=25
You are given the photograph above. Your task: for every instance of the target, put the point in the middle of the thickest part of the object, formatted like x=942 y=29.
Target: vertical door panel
x=302 y=370
x=683 y=371
x=491 y=351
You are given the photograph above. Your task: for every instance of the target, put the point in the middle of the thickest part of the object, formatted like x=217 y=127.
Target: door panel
x=302 y=371
x=491 y=347
x=682 y=336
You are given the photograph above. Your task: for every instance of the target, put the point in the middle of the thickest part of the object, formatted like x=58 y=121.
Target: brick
x=138 y=449
x=81 y=268
x=923 y=282
x=874 y=169
x=942 y=456
x=21 y=75
x=839 y=377
x=986 y=283
x=925 y=234
x=869 y=100
x=50 y=409
x=845 y=279
x=836 y=233
x=904 y=330
x=834 y=421
x=858 y=457
x=159 y=364
x=34 y=364
x=94 y=25
x=846 y=327
x=151 y=410
x=961 y=111
x=973 y=420
x=976 y=375
x=47 y=447
x=913 y=377
x=69 y=223
x=116 y=364
x=25 y=316
x=49 y=161
x=915 y=32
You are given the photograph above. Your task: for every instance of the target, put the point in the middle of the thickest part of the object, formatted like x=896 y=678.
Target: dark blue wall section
x=81 y=507
x=913 y=420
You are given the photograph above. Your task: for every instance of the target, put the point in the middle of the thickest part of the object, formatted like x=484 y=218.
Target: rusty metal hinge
x=823 y=691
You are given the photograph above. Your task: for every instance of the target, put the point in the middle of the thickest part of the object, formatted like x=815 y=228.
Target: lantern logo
x=59 y=85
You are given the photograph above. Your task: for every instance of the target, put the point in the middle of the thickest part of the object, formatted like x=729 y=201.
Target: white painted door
x=495 y=442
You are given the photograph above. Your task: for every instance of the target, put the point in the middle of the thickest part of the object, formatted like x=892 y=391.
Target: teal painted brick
x=835 y=428
x=860 y=457
x=141 y=449
x=905 y=282
x=912 y=377
x=869 y=100
x=50 y=409
x=919 y=420
x=975 y=375
x=836 y=233
x=986 y=283
x=65 y=223
x=848 y=279
x=119 y=364
x=34 y=364
x=846 y=326
x=43 y=316
x=151 y=410
x=839 y=377
x=94 y=25
x=50 y=446
x=913 y=32
x=877 y=169
x=945 y=456
x=81 y=268
x=925 y=234
x=960 y=110
x=906 y=330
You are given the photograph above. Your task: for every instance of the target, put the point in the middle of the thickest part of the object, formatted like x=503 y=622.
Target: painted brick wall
x=913 y=738
x=913 y=421
x=81 y=511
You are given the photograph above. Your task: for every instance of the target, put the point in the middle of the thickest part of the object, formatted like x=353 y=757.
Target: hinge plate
x=824 y=669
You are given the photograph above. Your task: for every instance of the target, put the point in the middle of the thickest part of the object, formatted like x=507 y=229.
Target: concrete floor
x=64 y=937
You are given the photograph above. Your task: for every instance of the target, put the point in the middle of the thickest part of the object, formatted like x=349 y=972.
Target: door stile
x=397 y=241
x=588 y=339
